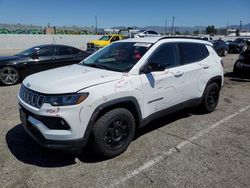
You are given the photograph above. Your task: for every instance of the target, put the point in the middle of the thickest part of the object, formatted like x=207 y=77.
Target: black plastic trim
x=170 y=110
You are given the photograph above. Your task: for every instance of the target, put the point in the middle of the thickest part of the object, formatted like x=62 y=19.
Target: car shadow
x=163 y=121
x=28 y=151
x=25 y=149
x=237 y=78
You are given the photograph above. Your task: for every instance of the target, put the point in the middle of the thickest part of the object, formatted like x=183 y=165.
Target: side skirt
x=170 y=110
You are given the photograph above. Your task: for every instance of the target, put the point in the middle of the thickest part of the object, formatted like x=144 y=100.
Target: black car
x=36 y=59
x=242 y=65
x=237 y=45
x=220 y=47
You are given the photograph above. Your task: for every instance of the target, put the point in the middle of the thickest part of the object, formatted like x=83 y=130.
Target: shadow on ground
x=28 y=151
x=238 y=78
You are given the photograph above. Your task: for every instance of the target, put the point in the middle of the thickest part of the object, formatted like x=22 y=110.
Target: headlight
x=65 y=100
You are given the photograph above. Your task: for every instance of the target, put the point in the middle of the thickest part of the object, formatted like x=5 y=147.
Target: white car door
x=196 y=65
x=162 y=89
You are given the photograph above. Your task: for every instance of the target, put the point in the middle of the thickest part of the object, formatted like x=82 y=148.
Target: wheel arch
x=216 y=79
x=129 y=103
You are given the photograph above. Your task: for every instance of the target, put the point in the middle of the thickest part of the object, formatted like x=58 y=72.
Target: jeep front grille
x=31 y=97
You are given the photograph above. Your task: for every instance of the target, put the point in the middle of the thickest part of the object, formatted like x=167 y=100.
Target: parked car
x=146 y=33
x=242 y=65
x=210 y=39
x=237 y=45
x=105 y=40
x=36 y=59
x=220 y=47
x=118 y=89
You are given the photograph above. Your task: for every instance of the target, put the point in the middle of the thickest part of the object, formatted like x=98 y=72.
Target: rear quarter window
x=192 y=52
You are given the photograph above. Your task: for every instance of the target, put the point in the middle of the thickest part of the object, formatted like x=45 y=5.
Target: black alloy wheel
x=9 y=76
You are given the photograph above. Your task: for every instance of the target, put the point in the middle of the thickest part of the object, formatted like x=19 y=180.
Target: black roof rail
x=179 y=37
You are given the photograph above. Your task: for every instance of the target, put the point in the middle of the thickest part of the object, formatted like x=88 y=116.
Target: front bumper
x=75 y=145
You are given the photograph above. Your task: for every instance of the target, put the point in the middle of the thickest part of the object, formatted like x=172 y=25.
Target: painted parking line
x=172 y=150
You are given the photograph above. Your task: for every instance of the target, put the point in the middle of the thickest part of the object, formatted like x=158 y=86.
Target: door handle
x=178 y=74
x=205 y=66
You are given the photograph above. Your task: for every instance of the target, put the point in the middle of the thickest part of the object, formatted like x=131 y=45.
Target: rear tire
x=236 y=70
x=210 y=98
x=9 y=76
x=113 y=132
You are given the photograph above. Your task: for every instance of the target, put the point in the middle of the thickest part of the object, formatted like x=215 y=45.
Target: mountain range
x=162 y=29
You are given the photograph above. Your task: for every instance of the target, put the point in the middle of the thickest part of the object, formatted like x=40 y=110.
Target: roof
x=46 y=45
x=170 y=38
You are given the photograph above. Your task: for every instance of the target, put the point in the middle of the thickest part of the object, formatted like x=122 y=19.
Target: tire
x=210 y=98
x=9 y=76
x=236 y=70
x=113 y=132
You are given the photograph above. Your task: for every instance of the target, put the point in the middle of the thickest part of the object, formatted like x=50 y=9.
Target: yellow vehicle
x=103 y=41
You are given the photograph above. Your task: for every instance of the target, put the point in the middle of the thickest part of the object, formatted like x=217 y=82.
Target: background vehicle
x=242 y=65
x=206 y=38
x=220 y=47
x=237 y=45
x=118 y=89
x=36 y=59
x=103 y=41
x=147 y=33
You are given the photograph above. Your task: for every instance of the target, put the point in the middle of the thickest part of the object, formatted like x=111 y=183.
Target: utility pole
x=172 y=28
x=166 y=26
x=227 y=29
x=95 y=24
x=240 y=26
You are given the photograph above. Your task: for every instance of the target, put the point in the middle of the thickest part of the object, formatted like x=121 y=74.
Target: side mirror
x=34 y=56
x=154 y=67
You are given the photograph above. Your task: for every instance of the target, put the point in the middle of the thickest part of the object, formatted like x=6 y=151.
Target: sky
x=125 y=13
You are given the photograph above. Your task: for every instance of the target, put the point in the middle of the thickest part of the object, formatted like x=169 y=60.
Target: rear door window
x=63 y=50
x=192 y=52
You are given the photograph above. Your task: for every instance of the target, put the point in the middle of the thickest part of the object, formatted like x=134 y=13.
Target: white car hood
x=69 y=79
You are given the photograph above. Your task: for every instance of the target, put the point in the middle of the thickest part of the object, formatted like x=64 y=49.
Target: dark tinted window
x=166 y=54
x=47 y=51
x=75 y=51
x=152 y=32
x=192 y=52
x=63 y=51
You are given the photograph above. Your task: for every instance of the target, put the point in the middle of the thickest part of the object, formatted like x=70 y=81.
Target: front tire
x=113 y=132
x=9 y=76
x=210 y=98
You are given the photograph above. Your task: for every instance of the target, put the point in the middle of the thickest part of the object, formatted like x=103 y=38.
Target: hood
x=100 y=42
x=69 y=79
x=9 y=58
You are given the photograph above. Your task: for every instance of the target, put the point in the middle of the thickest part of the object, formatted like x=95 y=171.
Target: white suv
x=122 y=87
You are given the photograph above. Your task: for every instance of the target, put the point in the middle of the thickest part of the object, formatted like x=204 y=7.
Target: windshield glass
x=238 y=40
x=121 y=56
x=106 y=38
x=28 y=52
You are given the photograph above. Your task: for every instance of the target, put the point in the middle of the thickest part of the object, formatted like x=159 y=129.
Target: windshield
x=28 y=52
x=106 y=38
x=238 y=40
x=121 y=56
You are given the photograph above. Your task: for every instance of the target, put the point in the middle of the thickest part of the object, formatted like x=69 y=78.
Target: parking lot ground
x=185 y=149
